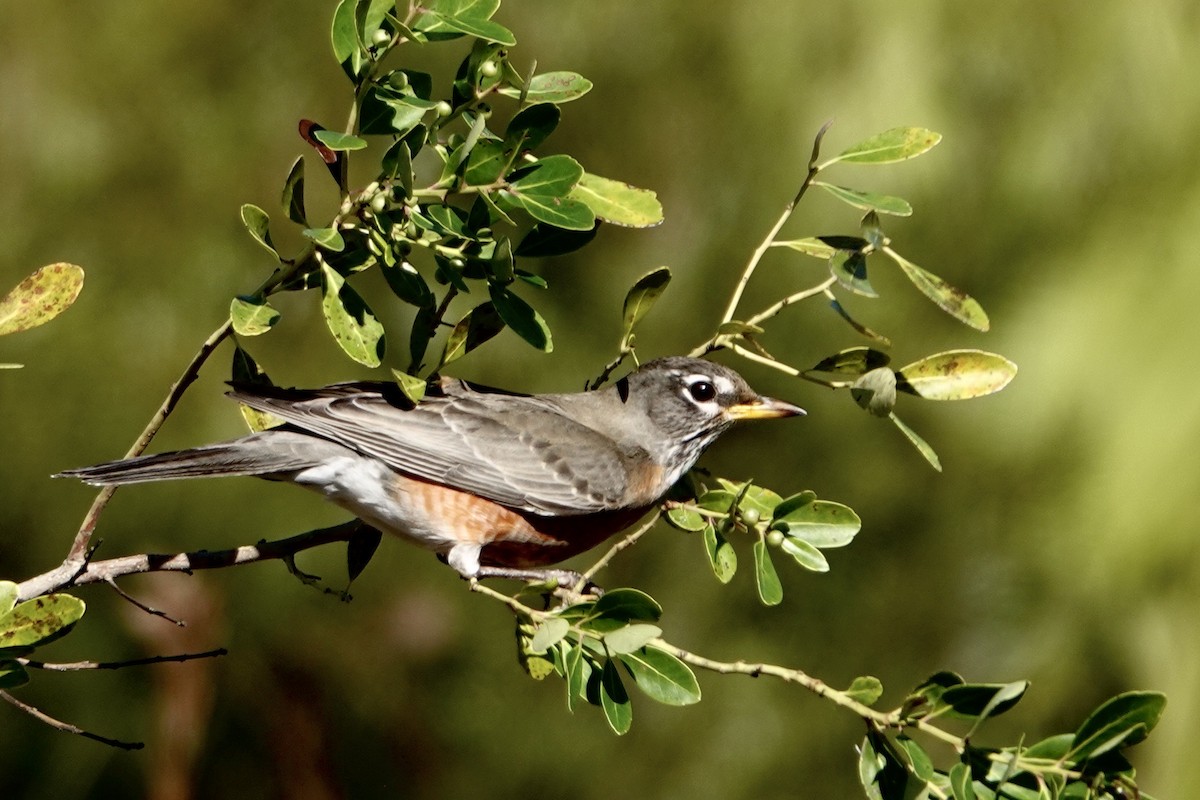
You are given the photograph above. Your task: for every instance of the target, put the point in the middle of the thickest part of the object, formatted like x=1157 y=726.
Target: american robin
x=495 y=483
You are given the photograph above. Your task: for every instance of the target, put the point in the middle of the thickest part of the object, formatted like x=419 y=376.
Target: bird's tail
x=267 y=454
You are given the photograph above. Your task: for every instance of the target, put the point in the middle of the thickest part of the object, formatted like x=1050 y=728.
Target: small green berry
x=488 y=69
x=750 y=516
x=443 y=109
x=775 y=538
x=380 y=36
x=379 y=203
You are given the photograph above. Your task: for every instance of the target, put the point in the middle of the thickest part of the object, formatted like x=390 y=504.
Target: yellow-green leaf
x=883 y=203
x=922 y=446
x=350 y=320
x=810 y=246
x=412 y=386
x=252 y=316
x=41 y=297
x=957 y=375
x=38 y=621
x=617 y=202
x=953 y=301
x=890 y=146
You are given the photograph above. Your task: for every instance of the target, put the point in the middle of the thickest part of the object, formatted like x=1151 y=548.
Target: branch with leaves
x=459 y=203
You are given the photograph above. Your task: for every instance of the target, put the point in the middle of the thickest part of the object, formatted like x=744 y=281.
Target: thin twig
x=76 y=666
x=109 y=569
x=139 y=604
x=771 y=311
x=623 y=543
x=67 y=727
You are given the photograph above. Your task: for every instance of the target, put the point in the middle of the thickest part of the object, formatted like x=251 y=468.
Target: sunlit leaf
x=338 y=141
x=252 y=316
x=477 y=326
x=956 y=375
x=892 y=145
x=259 y=225
x=685 y=519
x=805 y=554
x=820 y=523
x=551 y=87
x=8 y=596
x=961 y=782
x=412 y=386
x=350 y=320
x=549 y=632
x=628 y=605
x=721 y=555
x=922 y=446
x=41 y=297
x=472 y=17
x=1119 y=722
x=614 y=700
x=326 y=238
x=619 y=203
x=812 y=246
x=39 y=621
x=953 y=301
x=865 y=689
x=631 y=637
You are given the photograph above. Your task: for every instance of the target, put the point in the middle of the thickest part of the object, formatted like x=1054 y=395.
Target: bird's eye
x=702 y=391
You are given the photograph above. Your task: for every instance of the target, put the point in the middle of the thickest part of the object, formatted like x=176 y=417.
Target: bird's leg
x=566 y=579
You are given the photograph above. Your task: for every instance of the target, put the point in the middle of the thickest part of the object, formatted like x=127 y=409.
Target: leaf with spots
x=41 y=297
x=38 y=621
x=953 y=301
x=350 y=320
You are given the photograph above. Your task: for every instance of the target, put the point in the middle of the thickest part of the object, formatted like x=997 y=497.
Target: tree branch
x=67 y=727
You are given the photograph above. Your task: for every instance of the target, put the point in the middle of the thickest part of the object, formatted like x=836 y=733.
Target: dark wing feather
x=518 y=451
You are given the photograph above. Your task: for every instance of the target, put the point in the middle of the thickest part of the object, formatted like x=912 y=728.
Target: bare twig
x=67 y=727
x=76 y=666
x=626 y=541
x=139 y=604
x=111 y=568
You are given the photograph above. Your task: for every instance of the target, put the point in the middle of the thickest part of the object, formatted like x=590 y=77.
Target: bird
x=497 y=484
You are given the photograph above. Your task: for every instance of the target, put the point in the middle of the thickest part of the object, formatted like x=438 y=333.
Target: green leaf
x=549 y=633
x=396 y=165
x=412 y=386
x=530 y=127
x=820 y=523
x=551 y=87
x=1052 y=747
x=883 y=203
x=805 y=554
x=956 y=375
x=954 y=302
x=853 y=361
x=858 y=326
x=981 y=700
x=850 y=268
x=922 y=446
x=344 y=38
x=627 y=605
x=259 y=225
x=632 y=637
x=770 y=590
x=614 y=700
x=39 y=621
x=8 y=596
x=546 y=240
x=721 y=555
x=619 y=203
x=350 y=320
x=521 y=317
x=875 y=391
x=41 y=297
x=360 y=549
x=485 y=163
x=643 y=295
x=542 y=192
x=326 y=238
x=293 y=193
x=960 y=782
x=386 y=111
x=789 y=505
x=865 y=689
x=890 y=146
x=477 y=326
x=811 y=246
x=1119 y=722
x=407 y=284
x=338 y=141
x=662 y=676
x=686 y=519
x=922 y=766
x=880 y=771
x=12 y=674
x=579 y=672
x=472 y=17
x=252 y=316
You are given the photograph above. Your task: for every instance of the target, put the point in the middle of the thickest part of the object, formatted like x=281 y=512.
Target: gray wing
x=518 y=451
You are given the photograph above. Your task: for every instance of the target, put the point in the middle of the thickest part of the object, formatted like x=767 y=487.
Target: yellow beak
x=763 y=408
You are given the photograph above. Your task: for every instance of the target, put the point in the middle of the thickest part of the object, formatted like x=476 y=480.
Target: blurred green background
x=1059 y=545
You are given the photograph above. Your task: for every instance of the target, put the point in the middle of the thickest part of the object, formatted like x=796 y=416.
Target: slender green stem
x=626 y=541
x=773 y=310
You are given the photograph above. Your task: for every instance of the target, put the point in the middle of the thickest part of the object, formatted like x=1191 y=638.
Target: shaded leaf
x=477 y=326
x=628 y=605
x=850 y=268
x=547 y=240
x=851 y=244
x=875 y=391
x=791 y=504
x=960 y=782
x=953 y=301
x=721 y=555
x=956 y=375
x=619 y=203
x=396 y=165
x=39 y=621
x=579 y=672
x=12 y=674
x=350 y=320
x=852 y=361
x=252 y=316
x=632 y=637
x=41 y=297
x=614 y=700
x=360 y=549
x=259 y=225
x=884 y=204
x=1119 y=722
x=922 y=766
x=770 y=590
x=896 y=144
x=521 y=317
x=407 y=284
x=662 y=676
x=880 y=771
x=531 y=126
x=922 y=446
x=551 y=87
x=550 y=632
x=866 y=689
x=643 y=295
x=245 y=370
x=326 y=238
x=293 y=193
x=979 y=700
